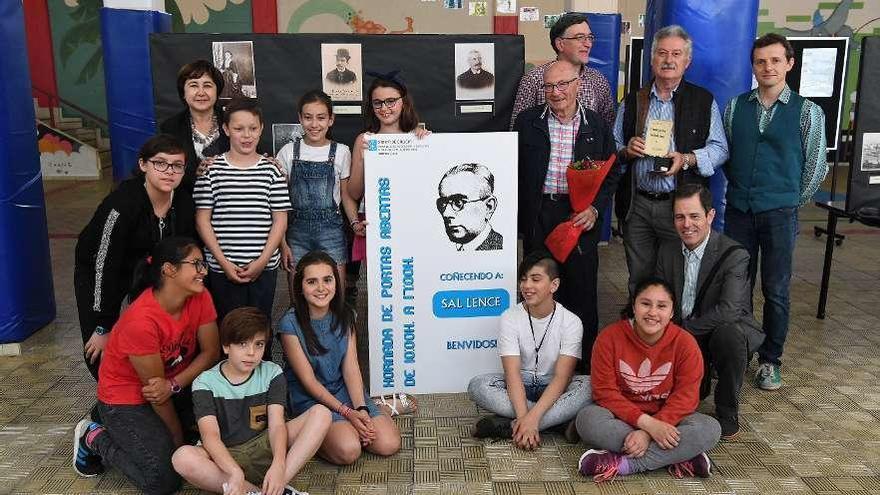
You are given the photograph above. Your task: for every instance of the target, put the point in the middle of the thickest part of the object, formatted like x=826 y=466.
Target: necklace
x=210 y=137
x=546 y=331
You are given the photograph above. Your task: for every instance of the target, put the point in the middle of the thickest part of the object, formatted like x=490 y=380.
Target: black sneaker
x=493 y=427
x=86 y=462
x=729 y=427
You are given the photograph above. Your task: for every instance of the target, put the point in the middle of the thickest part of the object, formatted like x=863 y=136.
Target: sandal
x=407 y=403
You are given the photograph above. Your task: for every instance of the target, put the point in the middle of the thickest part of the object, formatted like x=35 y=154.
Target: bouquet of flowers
x=584 y=177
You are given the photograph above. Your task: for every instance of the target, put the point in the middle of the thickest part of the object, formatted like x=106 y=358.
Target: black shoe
x=493 y=427
x=729 y=427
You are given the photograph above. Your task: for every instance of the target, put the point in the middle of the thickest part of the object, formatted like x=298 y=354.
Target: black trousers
x=83 y=290
x=725 y=350
x=579 y=274
x=260 y=294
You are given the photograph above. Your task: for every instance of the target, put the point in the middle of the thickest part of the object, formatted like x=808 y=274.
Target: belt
x=654 y=196
x=555 y=196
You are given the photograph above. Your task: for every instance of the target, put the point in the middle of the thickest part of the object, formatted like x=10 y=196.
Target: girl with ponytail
x=157 y=348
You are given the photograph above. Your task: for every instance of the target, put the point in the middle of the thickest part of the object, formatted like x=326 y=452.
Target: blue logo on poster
x=372 y=145
x=470 y=303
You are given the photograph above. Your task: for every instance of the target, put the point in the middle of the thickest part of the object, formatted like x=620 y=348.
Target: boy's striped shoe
x=86 y=462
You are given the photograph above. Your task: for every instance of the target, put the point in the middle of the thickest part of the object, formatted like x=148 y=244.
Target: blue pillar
x=27 y=299
x=125 y=37
x=723 y=32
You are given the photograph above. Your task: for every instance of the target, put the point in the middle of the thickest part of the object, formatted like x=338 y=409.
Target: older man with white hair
x=551 y=137
x=687 y=144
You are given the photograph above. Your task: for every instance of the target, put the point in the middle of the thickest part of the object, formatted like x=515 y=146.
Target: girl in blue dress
x=318 y=338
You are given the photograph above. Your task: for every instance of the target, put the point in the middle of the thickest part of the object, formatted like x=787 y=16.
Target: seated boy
x=540 y=344
x=246 y=445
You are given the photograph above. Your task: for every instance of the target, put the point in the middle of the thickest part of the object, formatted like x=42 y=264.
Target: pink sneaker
x=698 y=466
x=600 y=464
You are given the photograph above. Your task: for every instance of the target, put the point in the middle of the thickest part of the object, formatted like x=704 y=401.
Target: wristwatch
x=99 y=330
x=175 y=387
x=686 y=159
x=362 y=408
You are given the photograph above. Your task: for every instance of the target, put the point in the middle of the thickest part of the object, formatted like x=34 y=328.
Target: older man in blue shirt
x=696 y=149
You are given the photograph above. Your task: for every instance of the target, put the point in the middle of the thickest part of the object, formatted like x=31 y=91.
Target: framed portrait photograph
x=235 y=60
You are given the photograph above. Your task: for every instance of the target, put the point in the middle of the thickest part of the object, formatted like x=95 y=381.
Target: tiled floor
x=818 y=434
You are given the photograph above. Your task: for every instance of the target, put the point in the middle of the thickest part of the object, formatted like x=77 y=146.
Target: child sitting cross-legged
x=247 y=447
x=540 y=344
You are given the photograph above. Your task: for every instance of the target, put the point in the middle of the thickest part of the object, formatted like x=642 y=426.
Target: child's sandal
x=407 y=403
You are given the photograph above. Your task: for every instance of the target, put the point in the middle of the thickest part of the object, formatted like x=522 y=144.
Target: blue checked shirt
x=709 y=157
x=692 y=261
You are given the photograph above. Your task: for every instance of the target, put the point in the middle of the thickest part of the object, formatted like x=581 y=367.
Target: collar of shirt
x=656 y=95
x=784 y=96
x=698 y=252
x=476 y=241
x=580 y=114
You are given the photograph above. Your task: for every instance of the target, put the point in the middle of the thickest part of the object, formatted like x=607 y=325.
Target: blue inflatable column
x=723 y=32
x=125 y=37
x=605 y=57
x=27 y=299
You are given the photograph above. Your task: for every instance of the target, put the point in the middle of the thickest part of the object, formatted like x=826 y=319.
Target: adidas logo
x=645 y=380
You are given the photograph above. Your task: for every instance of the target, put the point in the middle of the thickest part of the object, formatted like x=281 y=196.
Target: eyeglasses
x=456 y=201
x=201 y=266
x=561 y=85
x=581 y=38
x=387 y=102
x=162 y=166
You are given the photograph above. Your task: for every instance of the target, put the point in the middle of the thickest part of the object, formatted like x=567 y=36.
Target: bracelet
x=343 y=410
x=354 y=222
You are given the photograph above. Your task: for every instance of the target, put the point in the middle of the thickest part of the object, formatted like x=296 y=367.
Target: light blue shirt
x=692 y=261
x=709 y=157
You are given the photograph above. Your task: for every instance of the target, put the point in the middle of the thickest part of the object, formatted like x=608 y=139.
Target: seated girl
x=162 y=342
x=646 y=387
x=540 y=344
x=318 y=338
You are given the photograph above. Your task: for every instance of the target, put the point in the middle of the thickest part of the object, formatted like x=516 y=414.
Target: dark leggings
x=138 y=443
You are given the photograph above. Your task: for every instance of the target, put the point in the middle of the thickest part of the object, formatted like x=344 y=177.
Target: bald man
x=552 y=136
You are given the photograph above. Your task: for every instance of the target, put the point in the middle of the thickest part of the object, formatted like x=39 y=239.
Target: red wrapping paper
x=583 y=186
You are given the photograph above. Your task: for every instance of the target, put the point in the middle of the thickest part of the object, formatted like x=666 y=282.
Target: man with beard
x=475 y=77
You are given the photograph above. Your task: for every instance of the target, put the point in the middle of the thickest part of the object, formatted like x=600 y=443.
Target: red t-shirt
x=143 y=329
x=631 y=378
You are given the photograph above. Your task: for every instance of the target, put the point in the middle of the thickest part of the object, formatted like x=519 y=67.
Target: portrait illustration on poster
x=283 y=134
x=235 y=60
x=474 y=71
x=342 y=69
x=466 y=204
x=431 y=307
x=870 y=152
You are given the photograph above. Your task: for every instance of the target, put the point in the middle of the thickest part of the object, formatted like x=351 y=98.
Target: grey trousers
x=489 y=391
x=599 y=428
x=648 y=224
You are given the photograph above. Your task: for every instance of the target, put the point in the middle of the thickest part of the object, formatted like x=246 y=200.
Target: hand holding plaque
x=658 y=137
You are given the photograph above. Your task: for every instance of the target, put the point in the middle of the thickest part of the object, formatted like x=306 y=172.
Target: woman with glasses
x=126 y=226
x=198 y=126
x=162 y=342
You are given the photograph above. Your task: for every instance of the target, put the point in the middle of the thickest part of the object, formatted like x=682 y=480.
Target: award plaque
x=657 y=139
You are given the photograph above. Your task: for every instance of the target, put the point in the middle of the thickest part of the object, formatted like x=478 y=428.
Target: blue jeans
x=773 y=234
x=489 y=391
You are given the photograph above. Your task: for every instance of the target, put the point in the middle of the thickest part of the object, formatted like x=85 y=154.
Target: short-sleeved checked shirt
x=594 y=92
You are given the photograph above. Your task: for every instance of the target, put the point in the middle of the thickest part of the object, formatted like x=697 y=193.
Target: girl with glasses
x=162 y=342
x=126 y=226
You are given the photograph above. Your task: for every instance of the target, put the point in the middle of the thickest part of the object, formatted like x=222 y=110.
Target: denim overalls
x=315 y=221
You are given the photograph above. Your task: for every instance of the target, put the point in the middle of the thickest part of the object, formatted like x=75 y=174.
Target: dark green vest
x=764 y=170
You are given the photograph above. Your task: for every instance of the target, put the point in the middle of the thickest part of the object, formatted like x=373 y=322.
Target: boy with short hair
x=540 y=344
x=239 y=405
x=241 y=215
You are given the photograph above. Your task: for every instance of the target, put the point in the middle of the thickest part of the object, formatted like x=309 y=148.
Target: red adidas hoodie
x=631 y=378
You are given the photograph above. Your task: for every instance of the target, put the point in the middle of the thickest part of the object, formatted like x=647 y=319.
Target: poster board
x=832 y=104
x=287 y=65
x=864 y=171
x=441 y=257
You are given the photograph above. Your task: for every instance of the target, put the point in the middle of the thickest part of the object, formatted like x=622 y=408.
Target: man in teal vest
x=777 y=161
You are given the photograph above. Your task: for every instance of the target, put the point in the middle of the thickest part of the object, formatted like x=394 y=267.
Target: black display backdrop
x=832 y=105
x=288 y=65
x=864 y=185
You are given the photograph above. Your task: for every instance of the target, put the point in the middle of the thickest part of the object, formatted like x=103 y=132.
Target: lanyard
x=546 y=331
